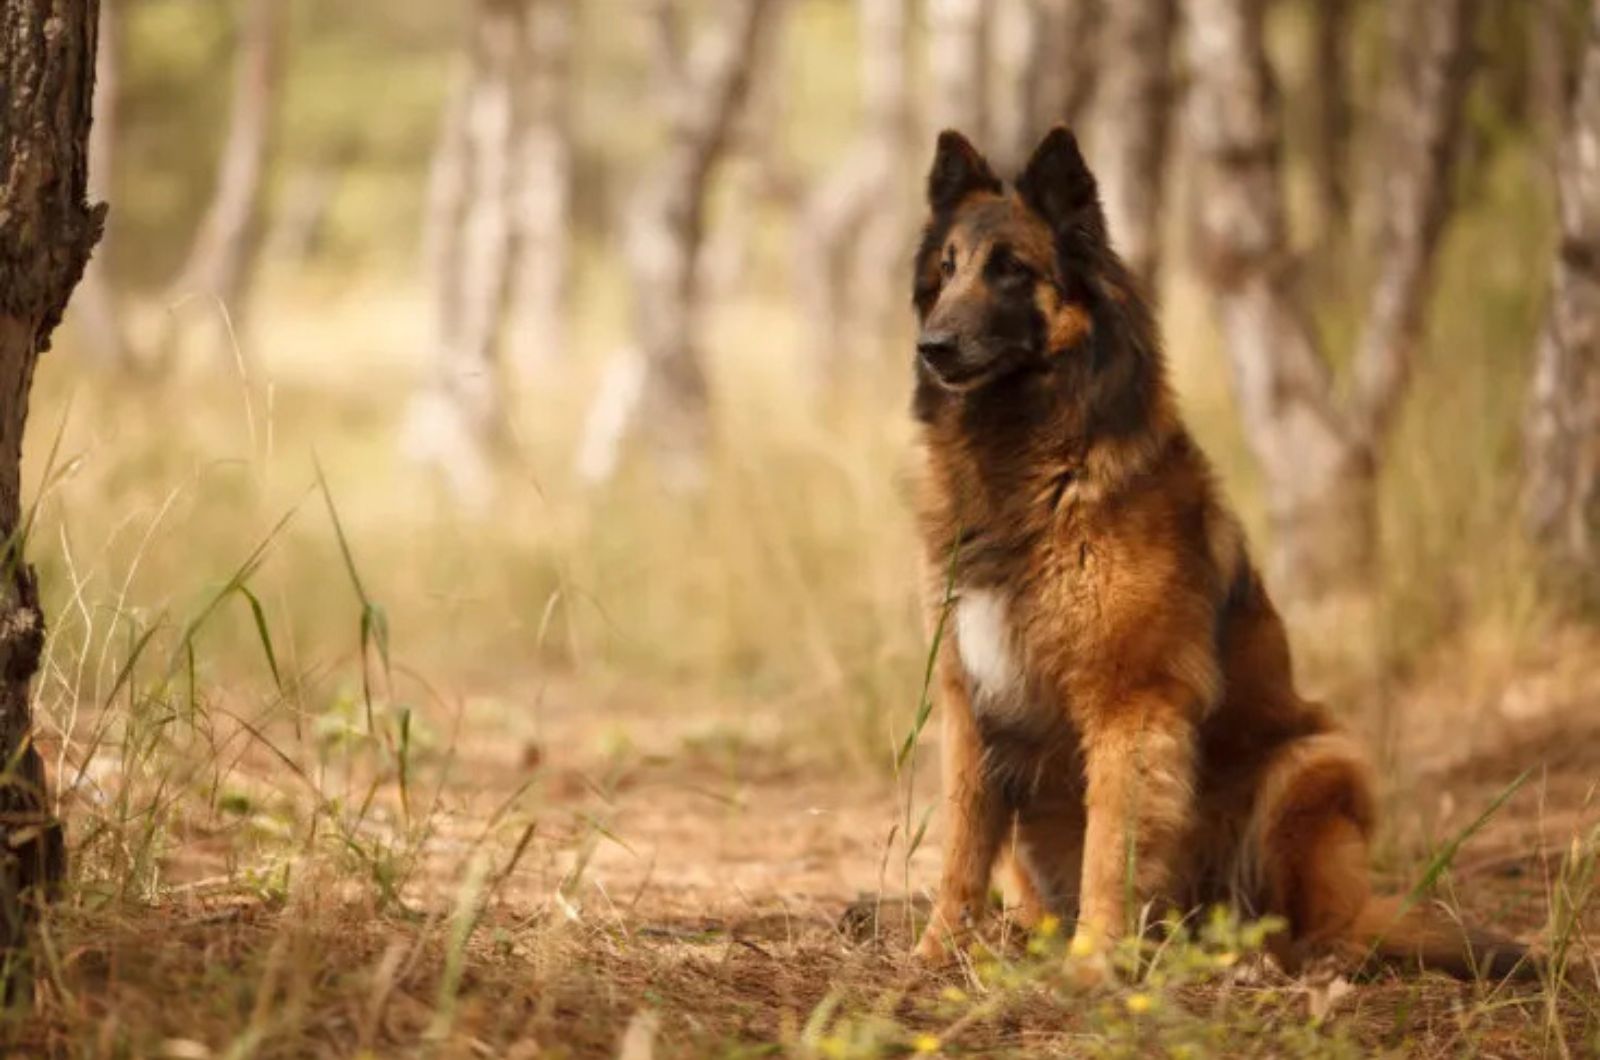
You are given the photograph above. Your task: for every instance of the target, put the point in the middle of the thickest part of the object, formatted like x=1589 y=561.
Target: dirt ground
x=679 y=878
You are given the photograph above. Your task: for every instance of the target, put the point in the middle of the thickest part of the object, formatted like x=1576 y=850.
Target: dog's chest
x=993 y=657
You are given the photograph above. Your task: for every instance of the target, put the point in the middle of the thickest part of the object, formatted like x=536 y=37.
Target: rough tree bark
x=662 y=385
x=47 y=231
x=1319 y=455
x=1561 y=500
x=219 y=260
x=958 y=55
x=96 y=313
x=850 y=230
x=1134 y=102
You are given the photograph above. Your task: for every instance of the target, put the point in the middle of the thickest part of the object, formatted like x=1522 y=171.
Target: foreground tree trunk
x=1319 y=455
x=47 y=231
x=1561 y=502
x=852 y=229
x=1134 y=101
x=219 y=260
x=661 y=385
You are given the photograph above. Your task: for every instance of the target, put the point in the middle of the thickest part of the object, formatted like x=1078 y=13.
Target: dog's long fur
x=1115 y=681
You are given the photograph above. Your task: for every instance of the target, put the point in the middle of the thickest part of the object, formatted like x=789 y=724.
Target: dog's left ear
x=958 y=171
x=1057 y=184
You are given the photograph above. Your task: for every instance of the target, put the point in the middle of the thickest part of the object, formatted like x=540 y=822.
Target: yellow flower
x=1049 y=925
x=953 y=993
x=1082 y=945
x=1139 y=1004
x=927 y=1043
x=1227 y=959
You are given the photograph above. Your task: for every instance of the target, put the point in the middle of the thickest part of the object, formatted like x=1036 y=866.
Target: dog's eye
x=1013 y=268
x=947 y=265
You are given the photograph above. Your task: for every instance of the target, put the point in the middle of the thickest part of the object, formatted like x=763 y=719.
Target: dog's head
x=1006 y=280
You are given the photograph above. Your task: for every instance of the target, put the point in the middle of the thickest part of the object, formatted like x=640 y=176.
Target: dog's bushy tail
x=1389 y=931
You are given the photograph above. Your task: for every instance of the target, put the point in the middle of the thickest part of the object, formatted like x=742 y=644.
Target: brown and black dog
x=1118 y=701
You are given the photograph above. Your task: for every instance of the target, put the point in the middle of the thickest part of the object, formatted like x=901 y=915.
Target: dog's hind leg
x=1047 y=858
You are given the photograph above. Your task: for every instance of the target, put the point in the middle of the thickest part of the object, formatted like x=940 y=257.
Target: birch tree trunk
x=459 y=425
x=1331 y=29
x=47 y=231
x=542 y=188
x=1134 y=101
x=1064 y=65
x=1319 y=456
x=1561 y=500
x=219 y=260
x=661 y=385
x=852 y=228
x=958 y=56
x=95 y=312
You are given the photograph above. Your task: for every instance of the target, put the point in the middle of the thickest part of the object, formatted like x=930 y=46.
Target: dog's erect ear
x=1057 y=185
x=958 y=171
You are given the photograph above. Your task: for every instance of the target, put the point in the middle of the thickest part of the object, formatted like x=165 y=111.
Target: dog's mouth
x=961 y=378
x=956 y=378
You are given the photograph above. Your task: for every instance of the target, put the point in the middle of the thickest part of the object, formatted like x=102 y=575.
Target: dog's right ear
x=958 y=171
x=1057 y=184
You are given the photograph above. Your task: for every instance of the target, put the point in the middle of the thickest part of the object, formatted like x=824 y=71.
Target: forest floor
x=574 y=873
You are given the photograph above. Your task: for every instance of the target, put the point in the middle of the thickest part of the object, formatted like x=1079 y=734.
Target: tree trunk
x=665 y=232
x=541 y=189
x=1319 y=457
x=1430 y=65
x=459 y=425
x=1134 y=102
x=1064 y=65
x=1561 y=501
x=96 y=313
x=47 y=231
x=1331 y=29
x=219 y=260
x=851 y=230
x=958 y=48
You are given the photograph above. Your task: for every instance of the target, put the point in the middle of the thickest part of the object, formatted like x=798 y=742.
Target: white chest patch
x=988 y=648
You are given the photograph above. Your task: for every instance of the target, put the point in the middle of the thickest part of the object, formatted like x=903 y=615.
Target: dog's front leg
x=975 y=823
x=1139 y=757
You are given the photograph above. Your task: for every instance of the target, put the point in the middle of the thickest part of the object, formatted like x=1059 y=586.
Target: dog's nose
x=938 y=349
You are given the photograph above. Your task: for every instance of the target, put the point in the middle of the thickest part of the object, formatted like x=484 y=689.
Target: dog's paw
x=936 y=949
x=1089 y=961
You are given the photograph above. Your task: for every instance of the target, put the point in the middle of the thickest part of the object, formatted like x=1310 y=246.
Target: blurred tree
x=98 y=315
x=541 y=194
x=1561 y=501
x=1332 y=26
x=496 y=240
x=1134 y=100
x=47 y=232
x=959 y=33
x=219 y=260
x=1053 y=48
x=661 y=384
x=1319 y=454
x=852 y=228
